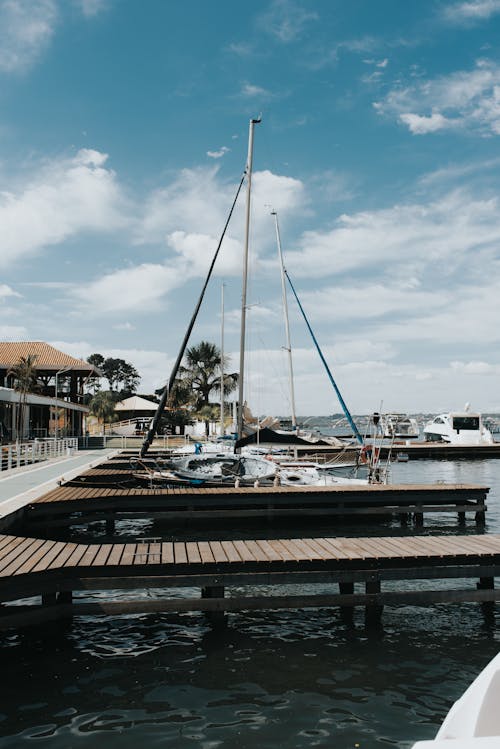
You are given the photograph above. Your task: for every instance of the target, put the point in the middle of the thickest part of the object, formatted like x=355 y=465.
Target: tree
x=97 y=360
x=102 y=405
x=201 y=373
x=208 y=413
x=123 y=377
x=25 y=381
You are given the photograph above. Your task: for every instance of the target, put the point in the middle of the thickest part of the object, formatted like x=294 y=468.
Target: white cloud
x=365 y=301
x=195 y=201
x=138 y=288
x=63 y=198
x=476 y=367
x=250 y=90
x=441 y=233
x=6 y=291
x=421 y=125
x=13 y=333
x=196 y=205
x=218 y=154
x=198 y=250
x=464 y=99
x=472 y=10
x=26 y=28
x=91 y=8
x=286 y=20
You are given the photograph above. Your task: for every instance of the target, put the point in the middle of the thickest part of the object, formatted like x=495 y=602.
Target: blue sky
x=123 y=137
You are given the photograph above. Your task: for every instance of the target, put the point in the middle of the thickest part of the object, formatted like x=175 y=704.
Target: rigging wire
x=330 y=376
x=161 y=406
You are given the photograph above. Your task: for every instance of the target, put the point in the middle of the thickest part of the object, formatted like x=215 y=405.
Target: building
x=55 y=406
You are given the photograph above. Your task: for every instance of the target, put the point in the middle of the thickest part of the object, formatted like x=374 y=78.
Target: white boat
x=398 y=426
x=474 y=720
x=218 y=469
x=458 y=428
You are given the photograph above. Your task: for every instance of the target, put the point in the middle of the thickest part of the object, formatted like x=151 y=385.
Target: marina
x=55 y=571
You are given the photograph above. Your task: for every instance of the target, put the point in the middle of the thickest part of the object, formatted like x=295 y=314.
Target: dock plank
x=218 y=551
x=230 y=551
x=167 y=553
x=180 y=553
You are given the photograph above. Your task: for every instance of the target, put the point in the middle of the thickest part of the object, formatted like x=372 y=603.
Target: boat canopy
x=270 y=437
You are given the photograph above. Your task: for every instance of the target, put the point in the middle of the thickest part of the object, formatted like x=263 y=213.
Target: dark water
x=270 y=679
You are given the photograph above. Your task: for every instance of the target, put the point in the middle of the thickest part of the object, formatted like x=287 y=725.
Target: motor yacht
x=458 y=428
x=399 y=426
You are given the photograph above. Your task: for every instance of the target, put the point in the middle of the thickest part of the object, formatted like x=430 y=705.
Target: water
x=270 y=679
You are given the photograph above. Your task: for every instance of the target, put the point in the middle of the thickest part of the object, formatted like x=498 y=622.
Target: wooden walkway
x=54 y=570
x=191 y=503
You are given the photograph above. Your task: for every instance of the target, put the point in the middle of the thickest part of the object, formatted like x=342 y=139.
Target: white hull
x=399 y=426
x=458 y=428
x=474 y=720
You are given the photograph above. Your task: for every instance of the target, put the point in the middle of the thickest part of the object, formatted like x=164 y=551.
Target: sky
x=123 y=138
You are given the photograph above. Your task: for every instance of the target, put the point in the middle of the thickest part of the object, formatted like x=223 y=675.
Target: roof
x=8 y=395
x=136 y=403
x=47 y=357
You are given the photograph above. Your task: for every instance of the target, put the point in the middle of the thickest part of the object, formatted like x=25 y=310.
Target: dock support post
x=65 y=596
x=419 y=518
x=480 y=517
x=110 y=526
x=461 y=518
x=216 y=618
x=347 y=612
x=49 y=599
x=487 y=607
x=373 y=611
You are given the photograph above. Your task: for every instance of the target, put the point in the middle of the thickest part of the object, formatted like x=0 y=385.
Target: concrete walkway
x=20 y=486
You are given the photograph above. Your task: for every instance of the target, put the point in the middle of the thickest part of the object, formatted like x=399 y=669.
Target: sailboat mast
x=253 y=122
x=222 y=364
x=287 y=324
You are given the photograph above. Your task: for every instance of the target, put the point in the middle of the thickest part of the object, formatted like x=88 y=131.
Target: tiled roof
x=47 y=357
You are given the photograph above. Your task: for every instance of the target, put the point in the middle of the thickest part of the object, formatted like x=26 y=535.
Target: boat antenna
x=253 y=122
x=348 y=416
x=168 y=388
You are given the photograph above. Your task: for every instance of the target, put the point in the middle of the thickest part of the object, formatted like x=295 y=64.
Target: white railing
x=20 y=454
x=164 y=441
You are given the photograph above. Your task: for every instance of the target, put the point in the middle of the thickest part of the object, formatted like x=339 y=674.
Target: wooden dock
x=191 y=503
x=230 y=574
x=356 y=568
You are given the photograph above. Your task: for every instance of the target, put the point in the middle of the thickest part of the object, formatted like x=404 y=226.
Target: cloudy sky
x=123 y=137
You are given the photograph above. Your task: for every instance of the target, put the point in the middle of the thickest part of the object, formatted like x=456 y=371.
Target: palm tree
x=25 y=381
x=102 y=405
x=201 y=372
x=200 y=376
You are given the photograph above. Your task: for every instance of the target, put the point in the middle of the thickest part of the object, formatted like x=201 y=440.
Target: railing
x=20 y=454
x=165 y=441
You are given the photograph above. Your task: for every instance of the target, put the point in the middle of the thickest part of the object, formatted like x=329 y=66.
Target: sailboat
x=183 y=471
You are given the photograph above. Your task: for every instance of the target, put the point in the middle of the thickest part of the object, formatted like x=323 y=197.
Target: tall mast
x=288 y=347
x=245 y=276
x=222 y=364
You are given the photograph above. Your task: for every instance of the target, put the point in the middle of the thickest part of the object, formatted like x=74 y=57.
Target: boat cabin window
x=439 y=420
x=466 y=422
